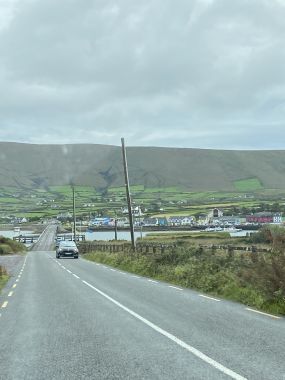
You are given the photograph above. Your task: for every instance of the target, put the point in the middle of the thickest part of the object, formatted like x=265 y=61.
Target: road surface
x=73 y=319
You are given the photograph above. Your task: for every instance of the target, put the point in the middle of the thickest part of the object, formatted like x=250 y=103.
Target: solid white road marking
x=5 y=304
x=174 y=287
x=209 y=298
x=173 y=338
x=155 y=282
x=75 y=275
x=10 y=294
x=261 y=312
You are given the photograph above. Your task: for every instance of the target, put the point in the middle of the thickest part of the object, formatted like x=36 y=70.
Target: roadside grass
x=3 y=281
x=239 y=276
x=9 y=246
x=3 y=277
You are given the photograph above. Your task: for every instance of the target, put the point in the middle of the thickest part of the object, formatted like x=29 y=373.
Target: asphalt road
x=73 y=319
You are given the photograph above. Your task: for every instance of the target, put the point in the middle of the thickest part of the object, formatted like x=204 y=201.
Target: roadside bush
x=259 y=282
x=10 y=246
x=5 y=249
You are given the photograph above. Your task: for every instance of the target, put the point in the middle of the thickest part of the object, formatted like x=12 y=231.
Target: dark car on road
x=67 y=249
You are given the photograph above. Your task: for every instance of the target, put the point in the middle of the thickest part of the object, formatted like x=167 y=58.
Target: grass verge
x=3 y=278
x=217 y=274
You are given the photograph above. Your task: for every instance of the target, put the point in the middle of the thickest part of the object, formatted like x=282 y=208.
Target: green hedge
x=251 y=282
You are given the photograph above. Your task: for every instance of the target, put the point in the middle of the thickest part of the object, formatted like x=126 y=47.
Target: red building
x=260 y=218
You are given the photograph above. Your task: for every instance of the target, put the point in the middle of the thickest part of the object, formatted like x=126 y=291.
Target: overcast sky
x=199 y=73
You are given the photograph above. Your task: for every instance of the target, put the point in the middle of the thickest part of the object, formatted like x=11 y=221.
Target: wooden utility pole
x=116 y=228
x=127 y=184
x=74 y=216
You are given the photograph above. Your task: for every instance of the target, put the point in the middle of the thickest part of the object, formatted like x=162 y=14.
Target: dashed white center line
x=63 y=267
x=69 y=271
x=10 y=294
x=14 y=286
x=75 y=276
x=209 y=298
x=174 y=287
x=155 y=282
x=5 y=304
x=261 y=312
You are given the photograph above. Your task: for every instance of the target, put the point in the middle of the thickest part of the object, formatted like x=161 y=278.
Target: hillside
x=32 y=166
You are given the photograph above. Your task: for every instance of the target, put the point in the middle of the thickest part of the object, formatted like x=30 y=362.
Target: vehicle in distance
x=67 y=249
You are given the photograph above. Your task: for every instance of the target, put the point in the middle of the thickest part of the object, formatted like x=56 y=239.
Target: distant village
x=215 y=218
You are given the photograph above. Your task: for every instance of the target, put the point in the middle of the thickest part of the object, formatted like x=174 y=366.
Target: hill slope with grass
x=33 y=166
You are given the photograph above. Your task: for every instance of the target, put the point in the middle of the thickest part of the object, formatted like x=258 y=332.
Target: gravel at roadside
x=12 y=263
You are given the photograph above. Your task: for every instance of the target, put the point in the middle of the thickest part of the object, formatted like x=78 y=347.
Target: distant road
x=73 y=319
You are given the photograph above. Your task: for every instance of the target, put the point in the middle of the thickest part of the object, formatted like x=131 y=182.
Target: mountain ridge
x=98 y=165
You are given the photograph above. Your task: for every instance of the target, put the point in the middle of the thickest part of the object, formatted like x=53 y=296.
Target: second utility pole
x=74 y=215
x=127 y=184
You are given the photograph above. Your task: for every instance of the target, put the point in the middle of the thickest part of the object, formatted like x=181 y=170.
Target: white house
x=277 y=218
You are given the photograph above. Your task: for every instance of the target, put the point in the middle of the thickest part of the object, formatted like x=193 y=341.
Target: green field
x=250 y=184
x=169 y=201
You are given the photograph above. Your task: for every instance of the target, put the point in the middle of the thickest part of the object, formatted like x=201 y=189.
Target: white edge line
x=173 y=338
x=155 y=282
x=209 y=298
x=261 y=312
x=174 y=287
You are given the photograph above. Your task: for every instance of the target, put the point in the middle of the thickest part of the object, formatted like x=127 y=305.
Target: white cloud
x=198 y=74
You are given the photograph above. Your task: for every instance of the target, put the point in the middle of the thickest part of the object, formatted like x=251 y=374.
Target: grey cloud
x=203 y=73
